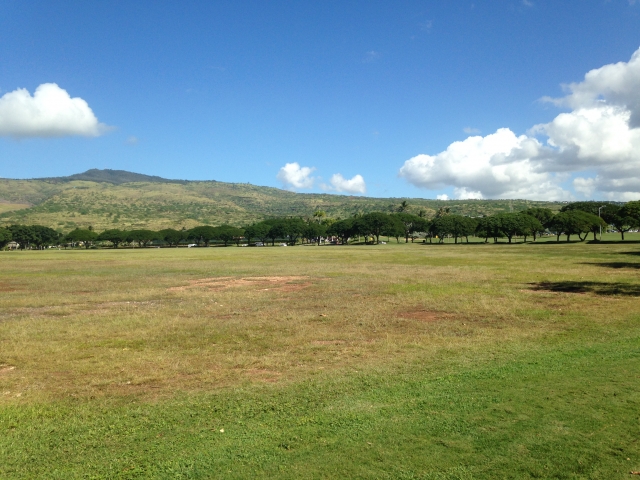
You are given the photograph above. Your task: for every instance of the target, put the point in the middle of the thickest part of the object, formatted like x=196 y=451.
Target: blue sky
x=235 y=91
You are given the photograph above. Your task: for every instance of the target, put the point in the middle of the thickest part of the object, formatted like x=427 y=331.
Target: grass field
x=390 y=361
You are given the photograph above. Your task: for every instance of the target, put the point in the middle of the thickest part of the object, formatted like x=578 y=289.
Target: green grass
x=391 y=361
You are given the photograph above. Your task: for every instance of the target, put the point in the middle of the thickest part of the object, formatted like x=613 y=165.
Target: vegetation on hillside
x=111 y=200
x=528 y=223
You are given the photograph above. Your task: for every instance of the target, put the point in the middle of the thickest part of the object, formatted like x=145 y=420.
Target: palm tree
x=404 y=206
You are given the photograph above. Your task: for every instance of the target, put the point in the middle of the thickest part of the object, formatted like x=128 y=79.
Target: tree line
x=575 y=219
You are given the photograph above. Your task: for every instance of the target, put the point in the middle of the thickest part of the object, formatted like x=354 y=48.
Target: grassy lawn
x=390 y=361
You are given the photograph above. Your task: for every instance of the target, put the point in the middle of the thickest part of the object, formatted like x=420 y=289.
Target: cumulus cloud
x=598 y=140
x=50 y=112
x=353 y=185
x=444 y=196
x=294 y=177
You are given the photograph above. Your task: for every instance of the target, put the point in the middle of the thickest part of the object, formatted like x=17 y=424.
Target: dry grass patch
x=284 y=283
x=152 y=323
x=425 y=315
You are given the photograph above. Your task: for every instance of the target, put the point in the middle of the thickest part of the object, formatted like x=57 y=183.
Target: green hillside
x=115 y=198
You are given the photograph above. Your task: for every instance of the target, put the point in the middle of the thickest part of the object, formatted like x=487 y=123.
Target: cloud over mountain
x=50 y=112
x=353 y=185
x=597 y=141
x=293 y=176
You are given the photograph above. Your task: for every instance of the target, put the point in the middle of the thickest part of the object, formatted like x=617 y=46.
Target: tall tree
x=373 y=224
x=543 y=215
x=115 y=236
x=172 y=237
x=87 y=237
x=143 y=237
x=409 y=223
x=203 y=234
x=258 y=230
x=314 y=231
x=227 y=233
x=5 y=237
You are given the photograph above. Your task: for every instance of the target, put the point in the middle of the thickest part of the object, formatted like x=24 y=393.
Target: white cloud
x=50 y=112
x=444 y=196
x=132 y=140
x=470 y=130
x=293 y=176
x=354 y=185
x=495 y=166
x=465 y=194
x=600 y=133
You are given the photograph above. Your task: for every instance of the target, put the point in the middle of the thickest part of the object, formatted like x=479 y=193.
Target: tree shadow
x=630 y=253
x=635 y=266
x=597 y=288
x=613 y=242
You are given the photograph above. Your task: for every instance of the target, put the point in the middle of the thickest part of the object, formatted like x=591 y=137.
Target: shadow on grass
x=630 y=253
x=614 y=242
x=597 y=288
x=631 y=265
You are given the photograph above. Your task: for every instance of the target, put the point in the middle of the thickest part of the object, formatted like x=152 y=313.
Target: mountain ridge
x=120 y=199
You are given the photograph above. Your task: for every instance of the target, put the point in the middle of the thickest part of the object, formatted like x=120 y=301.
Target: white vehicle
x=259 y=244
x=192 y=245
x=282 y=245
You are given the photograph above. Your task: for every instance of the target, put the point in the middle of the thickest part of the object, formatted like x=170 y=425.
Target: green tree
x=511 y=224
x=489 y=227
x=611 y=213
x=456 y=226
x=172 y=237
x=403 y=207
x=203 y=234
x=45 y=236
x=343 y=229
x=227 y=233
x=258 y=230
x=87 y=237
x=24 y=235
x=395 y=228
x=409 y=222
x=143 y=237
x=5 y=237
x=294 y=229
x=115 y=236
x=374 y=224
x=277 y=230
x=543 y=215
x=530 y=226
x=573 y=222
x=314 y=231
x=629 y=215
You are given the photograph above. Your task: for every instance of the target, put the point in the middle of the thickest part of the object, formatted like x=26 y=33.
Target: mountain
x=120 y=199
x=117 y=177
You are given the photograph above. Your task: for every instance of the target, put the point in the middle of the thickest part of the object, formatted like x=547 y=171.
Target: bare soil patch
x=328 y=342
x=7 y=287
x=425 y=315
x=6 y=369
x=281 y=283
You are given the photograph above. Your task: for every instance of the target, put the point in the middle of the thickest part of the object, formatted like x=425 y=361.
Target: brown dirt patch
x=7 y=287
x=6 y=369
x=328 y=342
x=425 y=315
x=263 y=375
x=283 y=283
